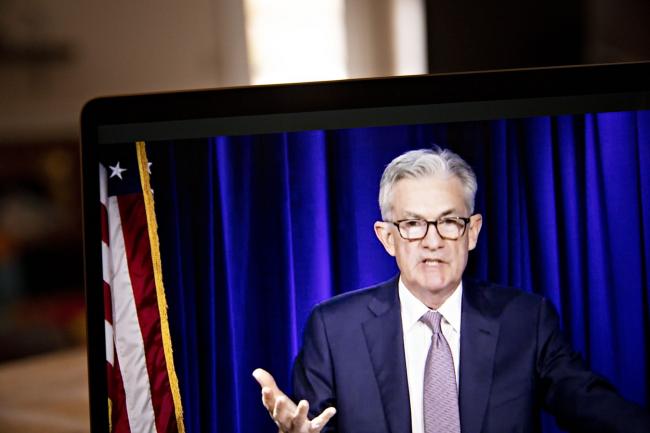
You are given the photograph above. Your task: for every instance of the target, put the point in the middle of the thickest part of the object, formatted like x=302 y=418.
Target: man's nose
x=432 y=239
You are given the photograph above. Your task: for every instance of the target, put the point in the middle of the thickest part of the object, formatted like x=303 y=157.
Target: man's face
x=431 y=267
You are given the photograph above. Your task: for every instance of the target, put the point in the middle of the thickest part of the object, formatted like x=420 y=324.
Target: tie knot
x=432 y=320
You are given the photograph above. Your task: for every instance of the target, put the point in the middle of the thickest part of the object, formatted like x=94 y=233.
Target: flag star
x=116 y=170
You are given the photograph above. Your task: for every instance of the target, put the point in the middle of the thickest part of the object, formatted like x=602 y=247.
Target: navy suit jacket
x=513 y=362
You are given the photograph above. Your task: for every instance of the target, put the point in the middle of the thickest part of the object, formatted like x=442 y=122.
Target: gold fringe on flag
x=110 y=415
x=143 y=165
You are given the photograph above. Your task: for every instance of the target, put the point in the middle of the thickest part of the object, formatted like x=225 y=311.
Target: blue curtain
x=255 y=230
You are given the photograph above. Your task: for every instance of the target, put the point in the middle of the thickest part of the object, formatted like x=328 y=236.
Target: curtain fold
x=256 y=230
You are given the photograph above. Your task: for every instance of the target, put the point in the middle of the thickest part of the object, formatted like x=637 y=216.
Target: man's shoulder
x=496 y=290
x=358 y=300
x=498 y=298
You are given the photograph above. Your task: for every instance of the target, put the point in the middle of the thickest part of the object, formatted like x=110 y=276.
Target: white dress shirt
x=417 y=339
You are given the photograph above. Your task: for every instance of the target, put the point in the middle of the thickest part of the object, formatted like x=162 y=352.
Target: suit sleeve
x=313 y=375
x=580 y=400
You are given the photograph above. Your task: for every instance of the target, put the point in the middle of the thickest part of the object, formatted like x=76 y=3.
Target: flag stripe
x=103 y=185
x=115 y=399
x=104 y=219
x=128 y=338
x=110 y=344
x=136 y=241
x=106 y=275
x=119 y=417
x=108 y=304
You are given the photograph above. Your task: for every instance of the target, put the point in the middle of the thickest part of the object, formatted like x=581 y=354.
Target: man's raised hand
x=287 y=416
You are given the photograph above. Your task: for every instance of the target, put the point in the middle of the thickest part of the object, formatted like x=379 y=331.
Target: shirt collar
x=412 y=308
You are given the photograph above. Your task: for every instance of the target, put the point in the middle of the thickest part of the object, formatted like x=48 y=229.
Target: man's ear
x=386 y=236
x=475 y=223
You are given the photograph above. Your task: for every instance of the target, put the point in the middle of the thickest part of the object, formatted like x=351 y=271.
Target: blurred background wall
x=54 y=56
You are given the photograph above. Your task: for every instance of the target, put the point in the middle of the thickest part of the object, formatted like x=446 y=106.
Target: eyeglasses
x=449 y=228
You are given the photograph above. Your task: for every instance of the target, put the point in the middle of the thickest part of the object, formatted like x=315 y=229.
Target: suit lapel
x=478 y=340
x=385 y=343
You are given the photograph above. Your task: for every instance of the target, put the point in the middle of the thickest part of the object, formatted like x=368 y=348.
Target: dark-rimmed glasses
x=449 y=228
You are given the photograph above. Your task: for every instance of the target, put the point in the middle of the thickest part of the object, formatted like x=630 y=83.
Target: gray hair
x=417 y=164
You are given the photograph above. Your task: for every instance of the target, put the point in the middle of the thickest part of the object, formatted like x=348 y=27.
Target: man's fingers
x=302 y=409
x=283 y=412
x=300 y=419
x=268 y=400
x=319 y=422
x=270 y=390
x=265 y=379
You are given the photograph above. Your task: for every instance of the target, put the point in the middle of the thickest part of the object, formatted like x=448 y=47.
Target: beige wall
x=120 y=47
x=385 y=37
x=114 y=47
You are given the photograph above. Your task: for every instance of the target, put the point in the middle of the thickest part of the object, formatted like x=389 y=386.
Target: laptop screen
x=216 y=220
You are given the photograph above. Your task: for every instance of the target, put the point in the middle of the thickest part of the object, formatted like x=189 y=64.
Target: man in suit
x=431 y=351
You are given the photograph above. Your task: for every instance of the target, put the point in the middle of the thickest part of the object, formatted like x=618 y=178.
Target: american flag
x=143 y=392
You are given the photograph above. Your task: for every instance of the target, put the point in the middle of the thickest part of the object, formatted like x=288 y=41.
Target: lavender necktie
x=440 y=392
